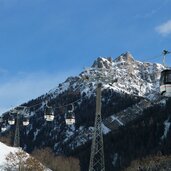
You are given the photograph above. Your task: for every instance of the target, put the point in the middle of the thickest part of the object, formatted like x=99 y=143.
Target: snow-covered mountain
x=126 y=75
x=123 y=75
x=129 y=89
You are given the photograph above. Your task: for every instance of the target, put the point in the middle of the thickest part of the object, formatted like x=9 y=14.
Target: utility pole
x=97 y=152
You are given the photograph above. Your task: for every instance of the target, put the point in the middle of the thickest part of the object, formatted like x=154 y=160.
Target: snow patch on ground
x=115 y=158
x=115 y=118
x=105 y=130
x=35 y=134
x=5 y=150
x=166 y=128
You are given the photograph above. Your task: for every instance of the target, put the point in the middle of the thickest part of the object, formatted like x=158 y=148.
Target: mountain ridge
x=133 y=83
x=140 y=78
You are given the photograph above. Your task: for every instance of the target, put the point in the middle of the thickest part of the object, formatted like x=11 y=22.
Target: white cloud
x=164 y=29
x=25 y=87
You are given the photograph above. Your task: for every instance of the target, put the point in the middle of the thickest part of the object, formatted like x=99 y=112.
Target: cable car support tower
x=98 y=75
x=17 y=133
x=97 y=152
x=18 y=111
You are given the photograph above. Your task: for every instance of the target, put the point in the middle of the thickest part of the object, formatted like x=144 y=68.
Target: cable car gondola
x=165 y=83
x=3 y=128
x=49 y=113
x=70 y=116
x=25 y=121
x=11 y=120
x=165 y=79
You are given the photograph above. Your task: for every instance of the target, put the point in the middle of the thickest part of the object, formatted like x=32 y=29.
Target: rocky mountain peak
x=125 y=73
x=101 y=62
x=127 y=57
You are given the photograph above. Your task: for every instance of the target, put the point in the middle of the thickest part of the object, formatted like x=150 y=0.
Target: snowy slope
x=4 y=151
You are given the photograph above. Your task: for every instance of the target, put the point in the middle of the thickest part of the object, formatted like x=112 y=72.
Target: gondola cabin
x=165 y=83
x=25 y=121
x=49 y=114
x=11 y=120
x=70 y=118
x=3 y=128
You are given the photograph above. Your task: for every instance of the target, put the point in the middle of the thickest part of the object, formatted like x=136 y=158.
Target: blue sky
x=42 y=42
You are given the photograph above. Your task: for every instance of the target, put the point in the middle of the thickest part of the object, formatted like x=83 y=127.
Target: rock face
x=131 y=76
x=130 y=88
x=126 y=57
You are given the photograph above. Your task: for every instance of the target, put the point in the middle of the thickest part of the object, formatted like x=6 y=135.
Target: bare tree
x=20 y=161
x=56 y=163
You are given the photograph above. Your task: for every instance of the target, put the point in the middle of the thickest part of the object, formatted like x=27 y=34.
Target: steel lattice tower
x=17 y=133
x=99 y=75
x=97 y=152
